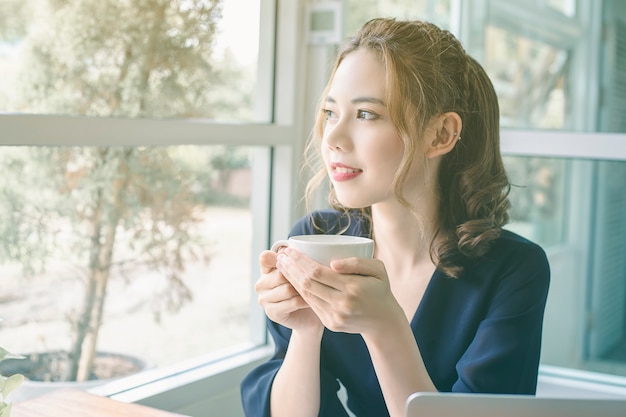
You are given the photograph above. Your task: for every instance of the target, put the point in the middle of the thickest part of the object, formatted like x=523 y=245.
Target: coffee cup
x=327 y=248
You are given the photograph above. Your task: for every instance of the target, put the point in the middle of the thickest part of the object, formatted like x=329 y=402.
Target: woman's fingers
x=275 y=293
x=267 y=261
x=280 y=299
x=280 y=309
x=359 y=266
x=348 y=296
x=300 y=270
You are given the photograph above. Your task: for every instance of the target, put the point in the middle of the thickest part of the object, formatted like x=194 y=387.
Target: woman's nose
x=337 y=136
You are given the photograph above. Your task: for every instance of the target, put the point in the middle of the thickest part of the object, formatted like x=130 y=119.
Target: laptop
x=433 y=404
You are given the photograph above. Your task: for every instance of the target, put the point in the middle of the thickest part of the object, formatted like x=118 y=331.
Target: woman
x=451 y=301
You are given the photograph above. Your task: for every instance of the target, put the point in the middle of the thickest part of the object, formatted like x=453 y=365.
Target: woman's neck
x=401 y=235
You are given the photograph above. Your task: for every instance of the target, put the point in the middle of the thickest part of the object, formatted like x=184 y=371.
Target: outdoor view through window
x=138 y=250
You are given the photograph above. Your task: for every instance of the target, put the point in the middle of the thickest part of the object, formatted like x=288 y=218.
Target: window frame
x=60 y=130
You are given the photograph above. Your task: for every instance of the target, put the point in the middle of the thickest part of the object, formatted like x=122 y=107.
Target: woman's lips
x=341 y=172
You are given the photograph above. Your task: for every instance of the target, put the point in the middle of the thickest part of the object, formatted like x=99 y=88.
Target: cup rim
x=319 y=239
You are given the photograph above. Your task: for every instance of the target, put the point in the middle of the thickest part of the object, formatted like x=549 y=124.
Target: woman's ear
x=447 y=128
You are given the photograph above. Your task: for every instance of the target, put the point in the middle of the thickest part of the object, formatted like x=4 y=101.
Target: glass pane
x=575 y=210
x=172 y=59
x=567 y=7
x=359 y=11
x=161 y=236
x=537 y=198
x=530 y=79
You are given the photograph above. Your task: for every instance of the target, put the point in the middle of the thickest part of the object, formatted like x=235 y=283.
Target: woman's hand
x=352 y=295
x=280 y=300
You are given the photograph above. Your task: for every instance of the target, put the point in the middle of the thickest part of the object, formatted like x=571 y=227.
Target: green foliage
x=66 y=192
x=12 y=15
x=30 y=207
x=103 y=209
x=8 y=384
x=110 y=58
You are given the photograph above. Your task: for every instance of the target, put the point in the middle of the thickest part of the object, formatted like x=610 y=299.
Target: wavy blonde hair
x=428 y=73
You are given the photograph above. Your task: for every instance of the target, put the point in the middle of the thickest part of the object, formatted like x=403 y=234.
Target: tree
x=145 y=58
x=119 y=207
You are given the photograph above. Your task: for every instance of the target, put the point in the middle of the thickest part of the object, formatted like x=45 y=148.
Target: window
x=178 y=59
x=573 y=207
x=565 y=200
x=530 y=77
x=358 y=12
x=567 y=7
x=140 y=140
x=164 y=228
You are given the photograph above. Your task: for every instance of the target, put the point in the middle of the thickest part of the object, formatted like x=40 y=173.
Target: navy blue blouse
x=478 y=333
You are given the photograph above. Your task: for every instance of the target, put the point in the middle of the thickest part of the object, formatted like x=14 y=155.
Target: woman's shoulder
x=513 y=251
x=330 y=221
x=511 y=241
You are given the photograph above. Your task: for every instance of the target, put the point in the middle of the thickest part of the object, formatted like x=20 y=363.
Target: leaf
x=4 y=354
x=11 y=383
x=5 y=409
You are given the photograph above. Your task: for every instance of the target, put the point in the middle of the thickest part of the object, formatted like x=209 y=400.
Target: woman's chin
x=353 y=203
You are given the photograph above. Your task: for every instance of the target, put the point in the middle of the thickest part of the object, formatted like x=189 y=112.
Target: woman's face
x=360 y=146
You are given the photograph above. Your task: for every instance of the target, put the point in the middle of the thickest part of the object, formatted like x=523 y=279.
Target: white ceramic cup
x=327 y=248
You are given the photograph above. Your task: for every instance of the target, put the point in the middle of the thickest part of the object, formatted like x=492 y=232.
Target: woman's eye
x=329 y=114
x=366 y=115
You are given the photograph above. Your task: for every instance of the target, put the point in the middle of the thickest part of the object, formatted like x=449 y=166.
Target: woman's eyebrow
x=359 y=100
